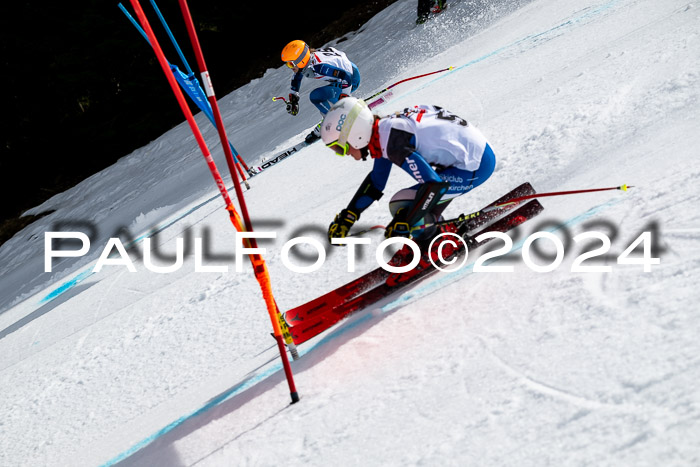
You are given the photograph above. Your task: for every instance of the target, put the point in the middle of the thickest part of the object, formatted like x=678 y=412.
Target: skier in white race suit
x=446 y=155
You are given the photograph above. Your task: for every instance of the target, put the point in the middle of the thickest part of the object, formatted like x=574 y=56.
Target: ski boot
x=314 y=135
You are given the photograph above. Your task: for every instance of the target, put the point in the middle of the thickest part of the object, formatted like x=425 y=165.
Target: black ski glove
x=341 y=225
x=293 y=104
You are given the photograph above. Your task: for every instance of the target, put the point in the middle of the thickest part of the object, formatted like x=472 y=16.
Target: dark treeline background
x=82 y=88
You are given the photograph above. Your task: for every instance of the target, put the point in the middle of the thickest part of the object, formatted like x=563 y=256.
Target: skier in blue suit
x=327 y=64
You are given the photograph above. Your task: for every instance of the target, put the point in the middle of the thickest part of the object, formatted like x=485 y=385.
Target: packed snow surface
x=467 y=368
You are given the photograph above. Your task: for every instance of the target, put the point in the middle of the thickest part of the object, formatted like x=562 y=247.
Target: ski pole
x=404 y=80
x=464 y=217
x=560 y=193
x=362 y=232
x=388 y=87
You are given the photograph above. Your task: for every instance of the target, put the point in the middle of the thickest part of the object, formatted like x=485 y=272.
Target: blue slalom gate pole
x=189 y=82
x=172 y=38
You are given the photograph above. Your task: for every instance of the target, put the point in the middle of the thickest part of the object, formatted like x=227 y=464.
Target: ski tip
x=625 y=187
x=450 y=68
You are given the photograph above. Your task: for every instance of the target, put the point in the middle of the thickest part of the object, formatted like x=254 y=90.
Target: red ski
x=328 y=312
x=377 y=276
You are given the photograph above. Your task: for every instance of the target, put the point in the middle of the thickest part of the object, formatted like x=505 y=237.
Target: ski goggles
x=339 y=149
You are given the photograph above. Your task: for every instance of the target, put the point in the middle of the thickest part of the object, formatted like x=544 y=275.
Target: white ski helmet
x=348 y=121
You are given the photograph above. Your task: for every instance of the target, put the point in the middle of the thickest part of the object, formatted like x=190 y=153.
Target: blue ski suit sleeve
x=379 y=176
x=296 y=81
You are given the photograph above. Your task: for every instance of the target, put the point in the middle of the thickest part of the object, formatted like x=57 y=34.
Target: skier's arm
x=369 y=191
x=296 y=82
x=372 y=187
x=293 y=102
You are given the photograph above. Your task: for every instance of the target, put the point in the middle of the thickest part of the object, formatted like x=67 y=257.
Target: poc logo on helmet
x=341 y=120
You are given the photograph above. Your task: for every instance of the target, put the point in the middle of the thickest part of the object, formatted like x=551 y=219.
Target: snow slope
x=520 y=368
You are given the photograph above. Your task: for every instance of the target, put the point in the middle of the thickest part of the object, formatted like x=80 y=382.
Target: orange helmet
x=296 y=53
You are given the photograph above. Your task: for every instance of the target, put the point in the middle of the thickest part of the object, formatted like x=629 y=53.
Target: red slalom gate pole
x=279 y=326
x=183 y=105
x=242 y=162
x=281 y=332
x=209 y=90
x=240 y=170
x=258 y=263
